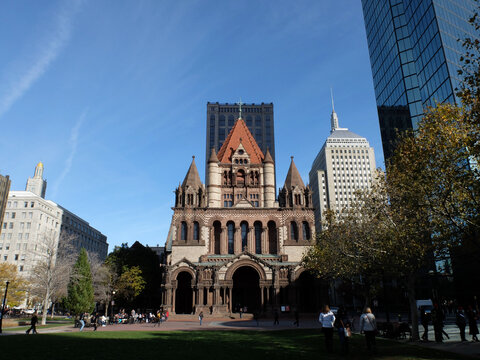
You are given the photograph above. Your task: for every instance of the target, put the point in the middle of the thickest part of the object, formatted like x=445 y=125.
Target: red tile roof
x=240 y=133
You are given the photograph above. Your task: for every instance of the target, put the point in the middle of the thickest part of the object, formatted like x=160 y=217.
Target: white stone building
x=29 y=217
x=345 y=164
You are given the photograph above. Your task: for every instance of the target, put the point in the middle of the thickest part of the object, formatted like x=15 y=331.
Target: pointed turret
x=191 y=193
x=192 y=178
x=294 y=193
x=268 y=157
x=213 y=156
x=293 y=178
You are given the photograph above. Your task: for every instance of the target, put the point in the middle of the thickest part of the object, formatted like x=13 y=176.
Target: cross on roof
x=240 y=108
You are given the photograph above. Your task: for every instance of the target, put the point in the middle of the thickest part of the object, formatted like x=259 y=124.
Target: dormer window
x=240 y=152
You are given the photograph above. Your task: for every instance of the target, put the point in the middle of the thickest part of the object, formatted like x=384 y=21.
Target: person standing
x=33 y=324
x=200 y=317
x=327 y=319
x=461 y=322
x=368 y=326
x=472 y=323
x=437 y=320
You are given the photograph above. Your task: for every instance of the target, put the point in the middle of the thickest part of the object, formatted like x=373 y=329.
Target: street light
x=3 y=306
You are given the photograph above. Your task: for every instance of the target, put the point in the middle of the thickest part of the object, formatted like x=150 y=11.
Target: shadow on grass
x=198 y=345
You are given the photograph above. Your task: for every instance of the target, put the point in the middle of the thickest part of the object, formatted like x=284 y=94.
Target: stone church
x=232 y=244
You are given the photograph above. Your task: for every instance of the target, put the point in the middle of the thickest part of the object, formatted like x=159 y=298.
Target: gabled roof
x=240 y=134
x=293 y=177
x=192 y=178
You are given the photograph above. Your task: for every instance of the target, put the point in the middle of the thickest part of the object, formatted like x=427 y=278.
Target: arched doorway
x=246 y=289
x=183 y=294
x=308 y=297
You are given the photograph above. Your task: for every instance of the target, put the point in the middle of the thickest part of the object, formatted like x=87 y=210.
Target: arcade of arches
x=247 y=282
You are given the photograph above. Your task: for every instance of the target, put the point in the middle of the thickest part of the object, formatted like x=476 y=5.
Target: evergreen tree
x=80 y=289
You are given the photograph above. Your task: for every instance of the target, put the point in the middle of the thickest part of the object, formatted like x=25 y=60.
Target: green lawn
x=198 y=345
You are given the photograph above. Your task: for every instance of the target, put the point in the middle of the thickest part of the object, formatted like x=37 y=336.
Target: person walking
x=341 y=323
x=472 y=323
x=327 y=319
x=200 y=317
x=368 y=326
x=296 y=315
x=461 y=322
x=94 y=320
x=275 y=317
x=437 y=320
x=424 y=319
x=82 y=321
x=33 y=324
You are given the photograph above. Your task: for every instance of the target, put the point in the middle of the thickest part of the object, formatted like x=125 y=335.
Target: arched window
x=258 y=237
x=244 y=227
x=217 y=230
x=196 y=231
x=306 y=231
x=293 y=231
x=184 y=231
x=230 y=234
x=272 y=237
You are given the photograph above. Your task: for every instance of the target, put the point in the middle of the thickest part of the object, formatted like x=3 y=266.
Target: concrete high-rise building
x=414 y=55
x=29 y=219
x=4 y=189
x=345 y=164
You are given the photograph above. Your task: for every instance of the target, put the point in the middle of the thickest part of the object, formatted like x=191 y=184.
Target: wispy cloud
x=50 y=49
x=73 y=142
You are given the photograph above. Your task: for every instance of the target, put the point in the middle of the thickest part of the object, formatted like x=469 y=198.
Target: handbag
x=348 y=332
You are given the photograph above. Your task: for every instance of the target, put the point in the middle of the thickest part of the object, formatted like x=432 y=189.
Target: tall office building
x=414 y=55
x=4 y=189
x=222 y=117
x=29 y=219
x=345 y=164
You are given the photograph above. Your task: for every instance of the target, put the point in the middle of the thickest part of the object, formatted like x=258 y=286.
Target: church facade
x=232 y=244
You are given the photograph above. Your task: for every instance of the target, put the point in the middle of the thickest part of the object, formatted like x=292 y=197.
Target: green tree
x=130 y=284
x=17 y=285
x=80 y=297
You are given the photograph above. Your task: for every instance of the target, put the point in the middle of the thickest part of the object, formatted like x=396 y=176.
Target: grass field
x=198 y=345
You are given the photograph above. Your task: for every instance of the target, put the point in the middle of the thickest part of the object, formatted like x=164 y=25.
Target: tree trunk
x=45 y=309
x=53 y=308
x=106 y=308
x=413 y=306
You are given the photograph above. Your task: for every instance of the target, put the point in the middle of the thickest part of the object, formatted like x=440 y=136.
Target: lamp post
x=3 y=306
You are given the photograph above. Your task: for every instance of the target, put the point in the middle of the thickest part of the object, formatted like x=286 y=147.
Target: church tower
x=37 y=184
x=191 y=193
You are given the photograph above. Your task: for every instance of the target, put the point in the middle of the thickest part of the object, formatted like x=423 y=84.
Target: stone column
x=211 y=237
x=262 y=297
x=237 y=240
x=251 y=239
x=264 y=240
x=223 y=241
x=174 y=290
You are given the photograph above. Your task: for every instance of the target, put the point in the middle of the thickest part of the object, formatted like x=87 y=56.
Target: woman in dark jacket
x=472 y=323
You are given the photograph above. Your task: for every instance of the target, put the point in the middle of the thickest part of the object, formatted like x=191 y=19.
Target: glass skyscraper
x=414 y=54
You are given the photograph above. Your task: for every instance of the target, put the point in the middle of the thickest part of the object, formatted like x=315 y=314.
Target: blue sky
x=111 y=95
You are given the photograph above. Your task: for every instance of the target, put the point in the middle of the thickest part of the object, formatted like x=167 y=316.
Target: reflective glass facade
x=414 y=54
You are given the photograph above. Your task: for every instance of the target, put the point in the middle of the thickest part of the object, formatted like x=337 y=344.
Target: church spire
x=293 y=177
x=37 y=184
x=334 y=117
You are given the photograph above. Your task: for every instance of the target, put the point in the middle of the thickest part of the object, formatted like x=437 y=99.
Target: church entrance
x=246 y=289
x=307 y=293
x=183 y=294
